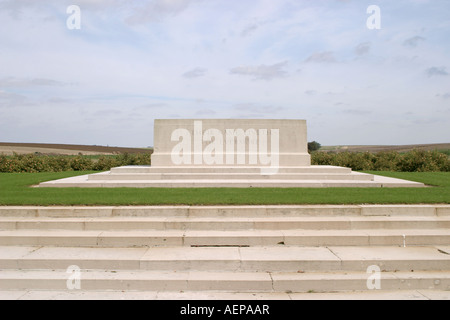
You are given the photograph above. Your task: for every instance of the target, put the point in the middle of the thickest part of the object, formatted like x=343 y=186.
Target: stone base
x=230 y=177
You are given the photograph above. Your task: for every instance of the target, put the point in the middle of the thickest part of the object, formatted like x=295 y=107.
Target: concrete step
x=225 y=169
x=271 y=211
x=224 y=223
x=230 y=176
x=220 y=281
x=229 y=259
x=262 y=269
x=151 y=238
x=84 y=182
x=422 y=294
x=240 y=249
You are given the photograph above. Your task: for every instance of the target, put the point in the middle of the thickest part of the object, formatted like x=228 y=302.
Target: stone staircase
x=215 y=250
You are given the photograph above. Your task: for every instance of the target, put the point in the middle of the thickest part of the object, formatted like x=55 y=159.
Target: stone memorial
x=238 y=153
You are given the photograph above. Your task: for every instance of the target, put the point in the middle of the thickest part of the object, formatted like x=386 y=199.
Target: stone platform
x=230 y=153
x=230 y=177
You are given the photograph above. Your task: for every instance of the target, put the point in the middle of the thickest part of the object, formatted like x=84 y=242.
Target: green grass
x=15 y=190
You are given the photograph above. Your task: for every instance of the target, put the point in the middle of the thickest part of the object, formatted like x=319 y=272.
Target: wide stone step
x=83 y=181
x=150 y=238
x=220 y=281
x=230 y=211
x=271 y=211
x=257 y=259
x=225 y=169
x=422 y=294
x=229 y=176
x=225 y=223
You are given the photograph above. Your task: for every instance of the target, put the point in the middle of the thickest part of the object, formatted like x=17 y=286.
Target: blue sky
x=135 y=61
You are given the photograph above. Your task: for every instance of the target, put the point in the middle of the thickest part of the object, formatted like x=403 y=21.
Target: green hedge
x=45 y=163
x=413 y=161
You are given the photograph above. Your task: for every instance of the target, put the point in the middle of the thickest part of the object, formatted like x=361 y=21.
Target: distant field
x=444 y=147
x=64 y=149
x=67 y=149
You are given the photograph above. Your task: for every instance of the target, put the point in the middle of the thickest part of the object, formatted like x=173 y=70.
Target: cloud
x=362 y=48
x=249 y=29
x=436 y=71
x=195 y=73
x=427 y=121
x=258 y=109
x=205 y=113
x=107 y=113
x=413 y=42
x=9 y=99
x=252 y=27
x=357 y=112
x=152 y=106
x=58 y=100
x=15 y=7
x=158 y=10
x=14 y=82
x=262 y=72
x=321 y=57
x=444 y=96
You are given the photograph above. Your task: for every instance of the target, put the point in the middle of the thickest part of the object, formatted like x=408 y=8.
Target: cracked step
x=422 y=294
x=247 y=259
x=221 y=281
x=150 y=238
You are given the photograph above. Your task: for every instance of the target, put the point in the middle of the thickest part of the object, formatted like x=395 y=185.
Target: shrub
x=105 y=163
x=45 y=163
x=416 y=160
x=313 y=146
x=80 y=163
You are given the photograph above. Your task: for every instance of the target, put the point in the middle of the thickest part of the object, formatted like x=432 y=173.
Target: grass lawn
x=15 y=190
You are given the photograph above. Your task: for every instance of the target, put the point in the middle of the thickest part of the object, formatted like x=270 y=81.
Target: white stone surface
x=293 y=145
x=352 y=180
x=327 y=248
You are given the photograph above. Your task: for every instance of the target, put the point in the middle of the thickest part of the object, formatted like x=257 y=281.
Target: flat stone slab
x=213 y=182
x=237 y=296
x=280 y=258
x=249 y=211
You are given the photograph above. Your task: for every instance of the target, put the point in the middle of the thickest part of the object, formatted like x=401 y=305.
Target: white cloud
x=413 y=42
x=322 y=57
x=362 y=48
x=195 y=73
x=157 y=10
x=14 y=82
x=262 y=72
x=437 y=71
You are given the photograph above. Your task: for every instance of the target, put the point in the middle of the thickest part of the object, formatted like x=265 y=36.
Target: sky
x=131 y=62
